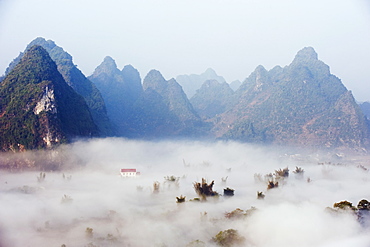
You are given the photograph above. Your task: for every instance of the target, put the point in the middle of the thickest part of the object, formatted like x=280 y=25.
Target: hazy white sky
x=189 y=36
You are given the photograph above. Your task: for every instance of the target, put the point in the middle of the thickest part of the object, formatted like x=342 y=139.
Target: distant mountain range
x=46 y=100
x=191 y=83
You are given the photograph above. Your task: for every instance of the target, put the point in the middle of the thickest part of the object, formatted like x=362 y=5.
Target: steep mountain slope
x=365 y=107
x=164 y=110
x=120 y=90
x=212 y=98
x=191 y=83
x=38 y=108
x=74 y=78
x=299 y=104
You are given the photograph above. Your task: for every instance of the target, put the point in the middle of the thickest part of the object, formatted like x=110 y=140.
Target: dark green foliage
x=74 y=78
x=36 y=83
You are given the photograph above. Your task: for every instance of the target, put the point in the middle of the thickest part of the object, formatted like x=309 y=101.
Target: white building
x=129 y=172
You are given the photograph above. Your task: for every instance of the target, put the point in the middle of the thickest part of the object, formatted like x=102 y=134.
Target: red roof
x=128 y=170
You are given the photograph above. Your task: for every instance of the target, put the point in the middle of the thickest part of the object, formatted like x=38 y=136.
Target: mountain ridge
x=74 y=78
x=38 y=108
x=299 y=104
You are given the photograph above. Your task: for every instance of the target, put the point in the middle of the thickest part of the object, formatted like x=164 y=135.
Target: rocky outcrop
x=76 y=79
x=164 y=110
x=47 y=102
x=120 y=91
x=301 y=104
x=212 y=98
x=38 y=108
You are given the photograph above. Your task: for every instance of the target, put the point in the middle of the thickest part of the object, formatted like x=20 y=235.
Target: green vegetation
x=75 y=79
x=228 y=237
x=61 y=114
x=239 y=213
x=344 y=205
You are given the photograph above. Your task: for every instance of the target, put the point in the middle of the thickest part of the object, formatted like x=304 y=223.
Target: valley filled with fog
x=86 y=202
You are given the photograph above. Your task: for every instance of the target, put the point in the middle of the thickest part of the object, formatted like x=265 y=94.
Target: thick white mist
x=126 y=211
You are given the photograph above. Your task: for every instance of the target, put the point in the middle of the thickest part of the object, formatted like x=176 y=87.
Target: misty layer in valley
x=184 y=194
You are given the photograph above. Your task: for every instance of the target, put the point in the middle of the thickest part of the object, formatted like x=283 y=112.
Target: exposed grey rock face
x=47 y=102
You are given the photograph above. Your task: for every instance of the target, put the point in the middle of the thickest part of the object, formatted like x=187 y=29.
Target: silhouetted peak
x=109 y=61
x=260 y=69
x=131 y=74
x=108 y=66
x=154 y=80
x=154 y=74
x=129 y=68
x=210 y=72
x=47 y=44
x=307 y=53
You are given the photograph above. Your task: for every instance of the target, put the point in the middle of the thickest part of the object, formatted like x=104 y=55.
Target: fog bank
x=88 y=202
